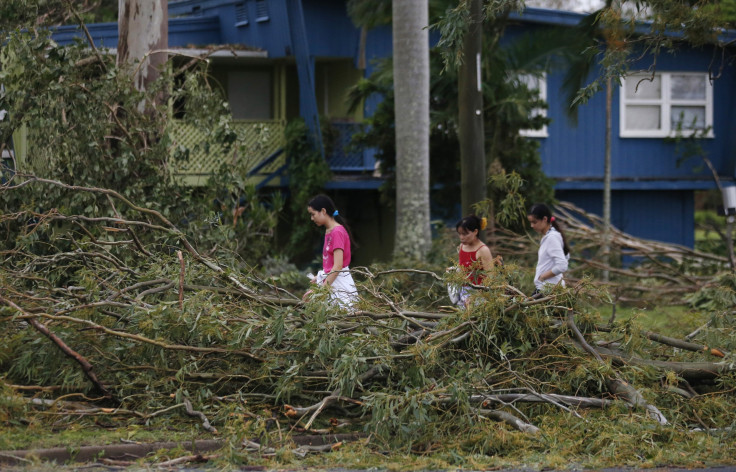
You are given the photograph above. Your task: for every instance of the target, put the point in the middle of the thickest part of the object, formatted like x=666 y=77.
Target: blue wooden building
x=295 y=58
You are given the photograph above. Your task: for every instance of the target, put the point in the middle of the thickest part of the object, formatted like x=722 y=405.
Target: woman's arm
x=336 y=267
x=486 y=258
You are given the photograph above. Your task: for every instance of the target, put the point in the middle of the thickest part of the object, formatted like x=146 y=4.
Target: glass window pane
x=690 y=117
x=687 y=87
x=641 y=87
x=643 y=117
x=531 y=81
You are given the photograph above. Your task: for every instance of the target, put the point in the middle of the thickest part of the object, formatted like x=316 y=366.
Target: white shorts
x=343 y=290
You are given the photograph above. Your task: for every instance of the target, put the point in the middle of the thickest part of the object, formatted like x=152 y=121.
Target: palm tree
x=411 y=90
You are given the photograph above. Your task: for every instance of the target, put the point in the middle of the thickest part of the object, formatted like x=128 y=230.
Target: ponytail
x=541 y=211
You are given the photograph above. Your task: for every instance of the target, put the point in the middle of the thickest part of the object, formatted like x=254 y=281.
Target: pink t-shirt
x=336 y=239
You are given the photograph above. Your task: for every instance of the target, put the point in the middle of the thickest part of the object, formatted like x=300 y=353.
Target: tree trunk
x=143 y=31
x=470 y=114
x=411 y=89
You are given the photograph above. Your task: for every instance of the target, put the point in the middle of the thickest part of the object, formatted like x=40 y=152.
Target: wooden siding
x=650 y=214
x=575 y=152
x=183 y=32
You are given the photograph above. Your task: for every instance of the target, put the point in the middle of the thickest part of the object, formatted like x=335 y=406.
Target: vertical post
x=607 y=181
x=473 y=171
x=305 y=69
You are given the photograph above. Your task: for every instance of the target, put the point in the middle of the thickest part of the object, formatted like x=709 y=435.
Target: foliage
x=507 y=110
x=616 y=35
x=717 y=297
x=43 y=13
x=728 y=12
x=453 y=24
x=88 y=125
x=308 y=173
x=710 y=231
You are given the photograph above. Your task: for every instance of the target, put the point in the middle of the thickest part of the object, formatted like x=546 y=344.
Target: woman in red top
x=474 y=257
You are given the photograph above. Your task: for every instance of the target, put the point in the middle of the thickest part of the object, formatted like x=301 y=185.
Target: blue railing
x=344 y=157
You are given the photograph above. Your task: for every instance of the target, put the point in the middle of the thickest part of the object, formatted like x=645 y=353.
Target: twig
x=191 y=412
x=181 y=280
x=186 y=460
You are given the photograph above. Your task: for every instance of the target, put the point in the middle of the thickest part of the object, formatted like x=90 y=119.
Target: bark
x=471 y=135
x=112 y=452
x=143 y=35
x=690 y=371
x=678 y=343
x=411 y=89
x=510 y=420
x=569 y=400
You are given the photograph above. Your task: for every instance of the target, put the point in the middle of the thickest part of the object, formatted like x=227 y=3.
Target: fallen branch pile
x=123 y=316
x=639 y=269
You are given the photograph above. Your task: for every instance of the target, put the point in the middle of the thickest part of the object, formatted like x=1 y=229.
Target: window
x=261 y=11
x=241 y=14
x=249 y=93
x=656 y=106
x=536 y=83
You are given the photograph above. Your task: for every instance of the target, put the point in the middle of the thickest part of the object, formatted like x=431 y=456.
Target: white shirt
x=551 y=256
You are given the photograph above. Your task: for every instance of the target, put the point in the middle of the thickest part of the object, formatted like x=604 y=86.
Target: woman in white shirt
x=554 y=253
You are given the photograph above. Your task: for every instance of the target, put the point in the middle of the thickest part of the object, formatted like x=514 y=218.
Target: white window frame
x=542 y=80
x=665 y=102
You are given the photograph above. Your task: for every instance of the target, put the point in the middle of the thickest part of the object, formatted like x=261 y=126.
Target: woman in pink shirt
x=335 y=251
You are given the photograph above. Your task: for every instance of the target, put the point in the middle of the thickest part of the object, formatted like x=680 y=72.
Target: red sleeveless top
x=473 y=267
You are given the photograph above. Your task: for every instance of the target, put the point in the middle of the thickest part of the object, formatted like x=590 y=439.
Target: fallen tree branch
x=143 y=339
x=616 y=385
x=509 y=419
x=87 y=368
x=674 y=342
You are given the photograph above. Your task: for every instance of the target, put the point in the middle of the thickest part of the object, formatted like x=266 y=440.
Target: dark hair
x=470 y=223
x=540 y=211
x=320 y=202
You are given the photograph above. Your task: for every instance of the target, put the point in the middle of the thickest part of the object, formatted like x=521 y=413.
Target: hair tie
x=552 y=219
x=335 y=213
x=483 y=223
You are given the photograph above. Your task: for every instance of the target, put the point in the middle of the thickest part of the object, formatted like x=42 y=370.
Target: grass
x=43 y=433
x=676 y=321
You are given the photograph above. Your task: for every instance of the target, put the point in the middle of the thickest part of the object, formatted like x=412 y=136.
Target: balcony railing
x=344 y=157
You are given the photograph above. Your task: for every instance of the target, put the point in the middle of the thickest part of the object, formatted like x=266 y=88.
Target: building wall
x=576 y=151
x=650 y=214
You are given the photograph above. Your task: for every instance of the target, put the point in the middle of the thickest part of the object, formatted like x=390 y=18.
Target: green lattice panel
x=255 y=142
